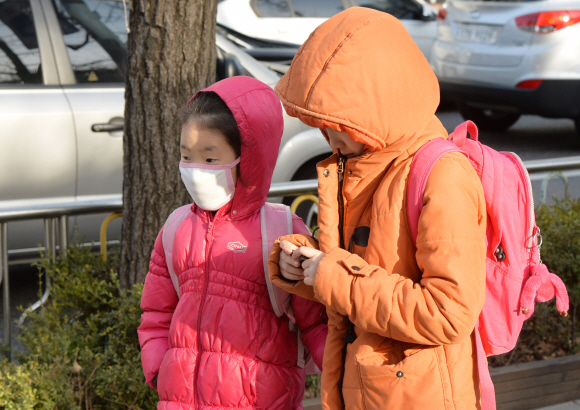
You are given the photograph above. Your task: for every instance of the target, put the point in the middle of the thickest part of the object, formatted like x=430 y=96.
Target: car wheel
x=307 y=210
x=488 y=119
x=577 y=122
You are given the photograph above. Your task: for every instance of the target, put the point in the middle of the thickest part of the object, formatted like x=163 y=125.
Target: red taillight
x=548 y=21
x=530 y=84
x=442 y=13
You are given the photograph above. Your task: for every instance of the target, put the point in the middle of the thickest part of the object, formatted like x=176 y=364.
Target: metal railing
x=55 y=220
x=553 y=164
x=55 y=231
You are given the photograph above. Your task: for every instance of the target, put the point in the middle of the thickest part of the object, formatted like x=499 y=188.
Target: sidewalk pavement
x=571 y=405
x=314 y=404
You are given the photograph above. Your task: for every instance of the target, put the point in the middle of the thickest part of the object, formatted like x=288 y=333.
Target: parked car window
x=271 y=8
x=19 y=55
x=508 y=1
x=401 y=9
x=95 y=35
x=297 y=8
x=319 y=8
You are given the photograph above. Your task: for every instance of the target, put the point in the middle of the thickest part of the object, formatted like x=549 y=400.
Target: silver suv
x=62 y=73
x=286 y=22
x=500 y=59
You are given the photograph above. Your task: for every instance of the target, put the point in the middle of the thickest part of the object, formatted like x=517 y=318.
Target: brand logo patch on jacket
x=237 y=247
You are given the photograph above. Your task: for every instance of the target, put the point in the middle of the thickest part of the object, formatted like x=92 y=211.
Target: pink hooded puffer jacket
x=221 y=346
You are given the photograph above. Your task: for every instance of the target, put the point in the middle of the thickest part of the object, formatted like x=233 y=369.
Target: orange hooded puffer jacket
x=414 y=309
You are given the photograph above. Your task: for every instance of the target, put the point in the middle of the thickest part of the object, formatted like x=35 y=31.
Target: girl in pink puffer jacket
x=220 y=345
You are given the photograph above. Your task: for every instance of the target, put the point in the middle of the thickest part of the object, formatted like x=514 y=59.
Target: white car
x=290 y=22
x=501 y=59
x=62 y=73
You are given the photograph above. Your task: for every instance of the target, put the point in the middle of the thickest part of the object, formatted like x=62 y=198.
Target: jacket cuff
x=334 y=277
x=294 y=287
x=356 y=265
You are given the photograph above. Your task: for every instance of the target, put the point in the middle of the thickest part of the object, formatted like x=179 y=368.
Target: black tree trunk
x=171 y=49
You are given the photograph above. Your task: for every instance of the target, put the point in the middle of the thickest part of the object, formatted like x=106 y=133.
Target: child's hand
x=289 y=265
x=312 y=258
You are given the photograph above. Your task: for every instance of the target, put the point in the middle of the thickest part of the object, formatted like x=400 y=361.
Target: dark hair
x=211 y=112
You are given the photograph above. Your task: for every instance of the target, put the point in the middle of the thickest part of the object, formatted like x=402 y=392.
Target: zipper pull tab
x=340 y=165
x=209 y=233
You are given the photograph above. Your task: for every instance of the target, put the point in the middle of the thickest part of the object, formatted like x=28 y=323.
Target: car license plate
x=476 y=34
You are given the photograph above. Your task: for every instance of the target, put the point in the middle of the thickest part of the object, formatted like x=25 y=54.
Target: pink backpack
x=516 y=276
x=275 y=221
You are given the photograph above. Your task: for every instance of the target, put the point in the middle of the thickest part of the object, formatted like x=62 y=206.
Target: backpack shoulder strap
x=421 y=166
x=173 y=222
x=486 y=388
x=275 y=221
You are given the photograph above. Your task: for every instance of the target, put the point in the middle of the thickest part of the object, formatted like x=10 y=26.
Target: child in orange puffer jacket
x=401 y=318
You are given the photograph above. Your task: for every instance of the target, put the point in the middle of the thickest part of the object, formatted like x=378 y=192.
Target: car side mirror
x=233 y=67
x=428 y=15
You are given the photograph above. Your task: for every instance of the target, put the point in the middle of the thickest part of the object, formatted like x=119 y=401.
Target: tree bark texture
x=171 y=55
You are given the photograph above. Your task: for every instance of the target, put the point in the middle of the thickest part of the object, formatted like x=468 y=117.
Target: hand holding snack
x=289 y=265
x=310 y=259
x=299 y=263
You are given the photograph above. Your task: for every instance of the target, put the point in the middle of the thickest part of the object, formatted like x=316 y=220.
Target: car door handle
x=107 y=127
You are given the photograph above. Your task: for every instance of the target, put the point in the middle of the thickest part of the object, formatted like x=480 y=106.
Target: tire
x=307 y=210
x=488 y=119
x=577 y=122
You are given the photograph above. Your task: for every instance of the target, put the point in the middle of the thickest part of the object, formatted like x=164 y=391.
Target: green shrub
x=16 y=391
x=82 y=350
x=312 y=387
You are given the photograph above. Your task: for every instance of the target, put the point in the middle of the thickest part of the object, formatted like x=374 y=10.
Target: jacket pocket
x=175 y=381
x=414 y=382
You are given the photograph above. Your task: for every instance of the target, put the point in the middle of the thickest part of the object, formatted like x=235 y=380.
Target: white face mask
x=210 y=186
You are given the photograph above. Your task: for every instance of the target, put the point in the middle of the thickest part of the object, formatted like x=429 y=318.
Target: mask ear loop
x=229 y=176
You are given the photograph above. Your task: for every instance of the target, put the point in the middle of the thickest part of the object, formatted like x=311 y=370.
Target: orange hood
x=360 y=72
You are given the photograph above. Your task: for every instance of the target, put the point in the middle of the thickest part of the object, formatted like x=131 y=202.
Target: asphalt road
x=531 y=138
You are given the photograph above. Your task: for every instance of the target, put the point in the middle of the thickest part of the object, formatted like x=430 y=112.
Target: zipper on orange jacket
x=340 y=171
